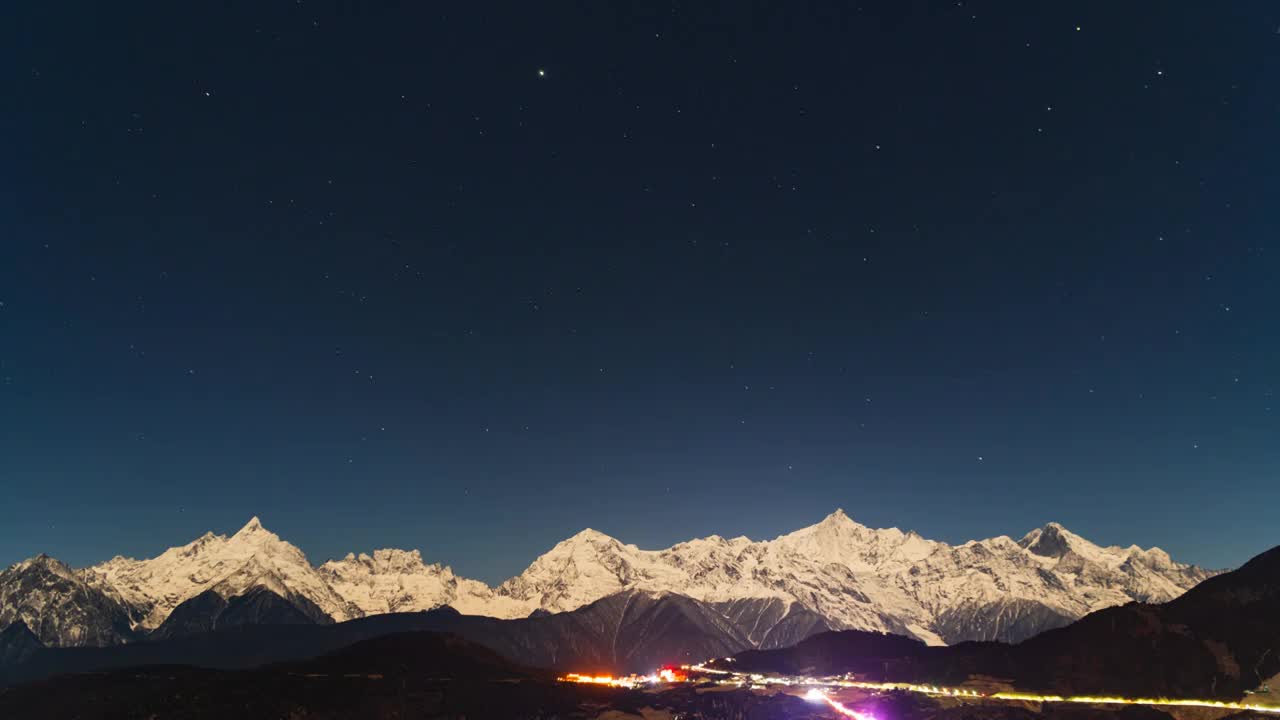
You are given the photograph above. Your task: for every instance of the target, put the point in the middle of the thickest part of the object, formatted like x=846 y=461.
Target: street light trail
x=818 y=692
x=816 y=695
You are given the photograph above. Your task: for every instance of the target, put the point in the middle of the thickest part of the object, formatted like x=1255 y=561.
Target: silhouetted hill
x=17 y=643
x=1219 y=639
x=425 y=654
x=414 y=674
x=629 y=631
x=209 y=611
x=852 y=650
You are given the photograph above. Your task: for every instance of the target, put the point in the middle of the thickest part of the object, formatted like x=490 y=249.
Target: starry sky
x=469 y=277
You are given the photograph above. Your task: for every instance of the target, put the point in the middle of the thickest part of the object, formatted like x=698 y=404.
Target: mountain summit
x=845 y=574
x=251 y=528
x=1052 y=540
x=252 y=557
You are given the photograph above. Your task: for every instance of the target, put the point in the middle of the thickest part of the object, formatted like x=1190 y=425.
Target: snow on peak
x=589 y=535
x=393 y=580
x=838 y=516
x=584 y=568
x=839 y=540
x=395 y=559
x=389 y=560
x=1053 y=530
x=253 y=574
x=836 y=524
x=47 y=563
x=253 y=529
x=1052 y=540
x=852 y=575
x=230 y=565
x=858 y=577
x=1158 y=555
x=1056 y=542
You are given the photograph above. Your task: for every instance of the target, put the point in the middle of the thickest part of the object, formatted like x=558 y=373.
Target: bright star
x=542 y=73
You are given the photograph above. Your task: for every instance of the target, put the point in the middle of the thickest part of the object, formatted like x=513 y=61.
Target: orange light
x=672 y=675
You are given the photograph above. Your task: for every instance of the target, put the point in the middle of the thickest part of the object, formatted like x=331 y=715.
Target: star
x=542 y=73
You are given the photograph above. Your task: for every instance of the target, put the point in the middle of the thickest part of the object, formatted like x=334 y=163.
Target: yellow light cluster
x=1115 y=700
x=738 y=678
x=629 y=681
x=911 y=687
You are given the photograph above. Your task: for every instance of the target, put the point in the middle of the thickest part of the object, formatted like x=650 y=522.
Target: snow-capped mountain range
x=852 y=576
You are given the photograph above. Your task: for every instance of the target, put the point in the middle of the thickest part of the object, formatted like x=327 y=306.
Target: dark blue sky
x=472 y=277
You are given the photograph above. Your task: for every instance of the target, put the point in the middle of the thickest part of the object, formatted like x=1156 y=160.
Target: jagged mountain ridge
x=843 y=575
x=882 y=580
x=253 y=556
x=392 y=580
x=59 y=607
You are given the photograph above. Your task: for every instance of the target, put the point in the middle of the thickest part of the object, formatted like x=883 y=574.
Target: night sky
x=472 y=277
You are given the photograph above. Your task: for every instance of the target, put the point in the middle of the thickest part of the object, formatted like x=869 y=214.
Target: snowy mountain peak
x=230 y=565
x=834 y=528
x=1155 y=558
x=1055 y=541
x=838 y=539
x=839 y=520
x=589 y=535
x=251 y=528
x=46 y=563
x=580 y=570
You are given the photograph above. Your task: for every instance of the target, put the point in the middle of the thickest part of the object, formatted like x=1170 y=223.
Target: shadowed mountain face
x=629 y=631
x=197 y=615
x=59 y=607
x=1217 y=640
x=1010 y=620
x=768 y=623
x=259 y=606
x=17 y=643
